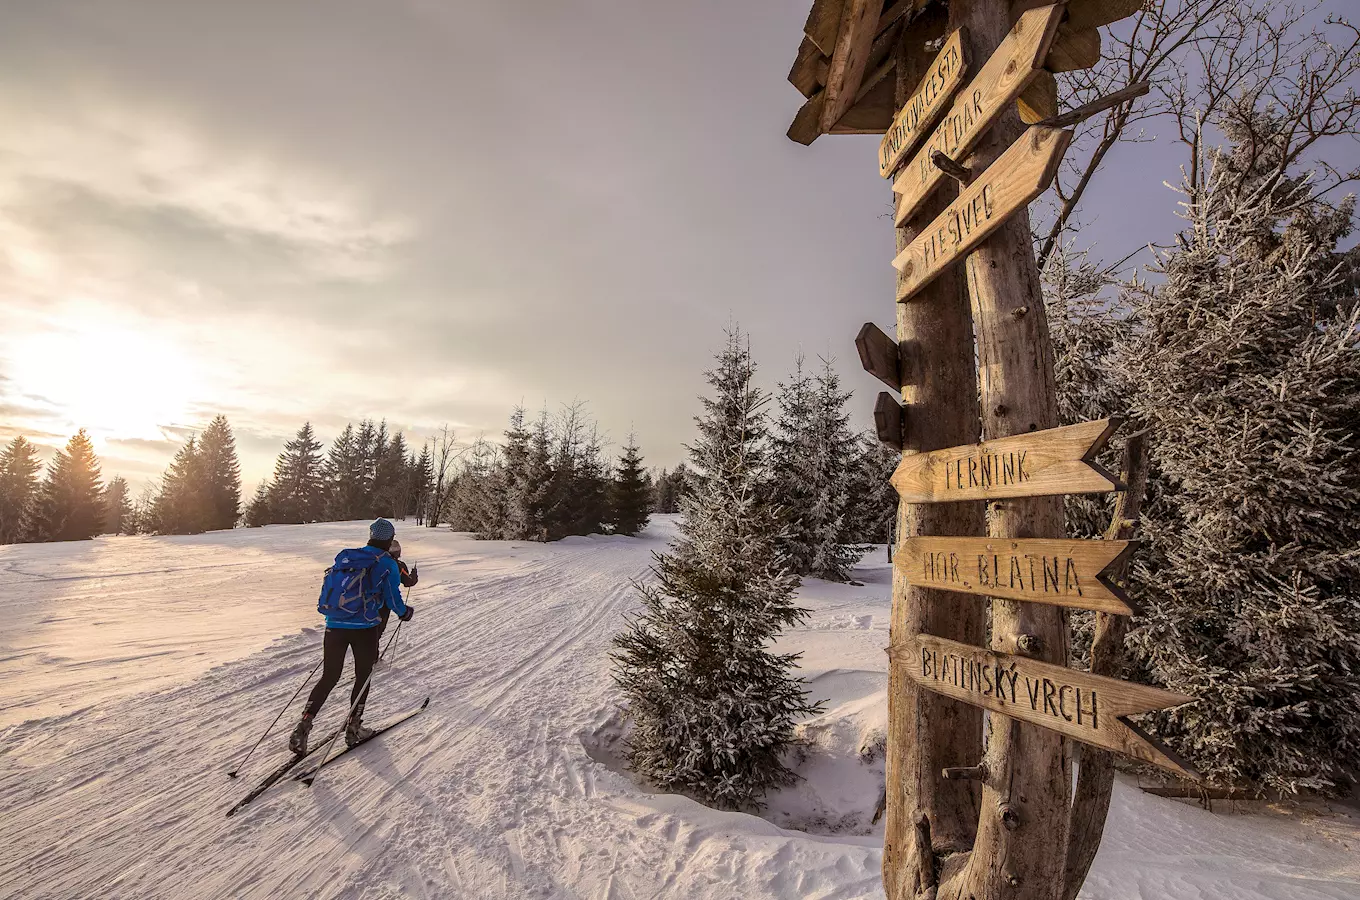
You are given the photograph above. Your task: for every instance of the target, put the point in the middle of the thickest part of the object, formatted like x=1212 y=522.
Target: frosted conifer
x=714 y=710
x=1245 y=363
x=19 y=467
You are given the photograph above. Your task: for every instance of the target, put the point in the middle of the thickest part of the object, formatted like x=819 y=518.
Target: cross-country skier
x=409 y=578
x=361 y=583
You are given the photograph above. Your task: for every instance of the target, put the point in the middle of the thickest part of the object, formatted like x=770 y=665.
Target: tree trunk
x=1021 y=847
x=926 y=731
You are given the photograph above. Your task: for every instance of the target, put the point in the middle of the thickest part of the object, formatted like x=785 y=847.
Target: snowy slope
x=133 y=671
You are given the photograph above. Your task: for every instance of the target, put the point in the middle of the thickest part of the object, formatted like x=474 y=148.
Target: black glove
x=410 y=611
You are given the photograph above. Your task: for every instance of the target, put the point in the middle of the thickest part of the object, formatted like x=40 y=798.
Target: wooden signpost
x=1057 y=572
x=1004 y=78
x=980 y=807
x=1022 y=173
x=879 y=355
x=920 y=112
x=1037 y=464
x=1090 y=708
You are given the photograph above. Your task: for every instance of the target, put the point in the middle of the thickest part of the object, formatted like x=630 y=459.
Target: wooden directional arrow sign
x=920 y=112
x=1059 y=573
x=1037 y=464
x=1019 y=175
x=1089 y=708
x=1005 y=76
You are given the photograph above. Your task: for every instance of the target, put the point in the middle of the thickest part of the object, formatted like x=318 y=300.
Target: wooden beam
x=807 y=124
x=1032 y=464
x=942 y=81
x=1073 y=49
x=888 y=420
x=878 y=354
x=997 y=84
x=850 y=58
x=1069 y=573
x=1007 y=186
x=873 y=111
x=926 y=731
x=809 y=69
x=1089 y=708
x=1039 y=101
x=824 y=24
x=1082 y=14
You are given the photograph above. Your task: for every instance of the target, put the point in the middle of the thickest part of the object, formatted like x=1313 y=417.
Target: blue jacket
x=386 y=583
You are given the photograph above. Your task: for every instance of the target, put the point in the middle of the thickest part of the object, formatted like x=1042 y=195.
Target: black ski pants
x=364 y=644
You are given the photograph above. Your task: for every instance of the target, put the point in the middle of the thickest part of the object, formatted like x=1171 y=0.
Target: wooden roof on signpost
x=845 y=58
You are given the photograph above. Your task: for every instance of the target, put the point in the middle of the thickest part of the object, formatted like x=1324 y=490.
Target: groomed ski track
x=489 y=793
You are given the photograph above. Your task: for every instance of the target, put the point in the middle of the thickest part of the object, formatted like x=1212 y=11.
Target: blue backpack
x=349 y=589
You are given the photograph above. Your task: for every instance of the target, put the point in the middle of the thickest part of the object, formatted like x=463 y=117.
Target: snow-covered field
x=135 y=671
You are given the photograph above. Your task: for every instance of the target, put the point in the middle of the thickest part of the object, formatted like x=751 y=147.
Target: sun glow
x=114 y=377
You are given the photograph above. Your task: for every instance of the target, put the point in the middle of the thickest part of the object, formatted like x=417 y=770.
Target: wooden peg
x=964 y=773
x=955 y=170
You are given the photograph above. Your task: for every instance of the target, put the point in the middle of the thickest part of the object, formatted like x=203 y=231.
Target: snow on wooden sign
x=1016 y=63
x=924 y=107
x=1037 y=464
x=1019 y=175
x=1057 y=572
x=1089 y=708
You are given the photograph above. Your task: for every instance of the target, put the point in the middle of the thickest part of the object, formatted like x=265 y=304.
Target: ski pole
x=311 y=776
x=233 y=773
x=410 y=590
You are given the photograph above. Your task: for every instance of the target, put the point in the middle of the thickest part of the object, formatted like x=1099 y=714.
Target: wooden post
x=1021 y=847
x=927 y=732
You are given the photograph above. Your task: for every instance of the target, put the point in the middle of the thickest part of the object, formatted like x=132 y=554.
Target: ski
x=308 y=776
x=284 y=768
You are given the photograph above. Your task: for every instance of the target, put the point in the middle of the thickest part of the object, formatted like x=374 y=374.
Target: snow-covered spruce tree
x=70 y=503
x=1086 y=325
x=873 y=499
x=420 y=476
x=19 y=467
x=182 y=506
x=1246 y=364
x=630 y=495
x=221 y=474
x=713 y=708
x=814 y=473
x=117 y=507
x=297 y=493
x=257 y=510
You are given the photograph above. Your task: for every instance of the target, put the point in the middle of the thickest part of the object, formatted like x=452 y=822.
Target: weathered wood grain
x=850 y=59
x=1073 y=49
x=1089 y=708
x=1022 y=173
x=1083 y=14
x=1057 y=572
x=807 y=124
x=873 y=109
x=1034 y=464
x=997 y=84
x=824 y=24
x=941 y=82
x=1040 y=100
x=888 y=420
x=809 y=68
x=878 y=354
x=927 y=731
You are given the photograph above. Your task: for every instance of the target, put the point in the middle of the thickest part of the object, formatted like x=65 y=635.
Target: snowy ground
x=133 y=671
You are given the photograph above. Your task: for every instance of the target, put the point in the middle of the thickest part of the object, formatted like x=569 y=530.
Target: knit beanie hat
x=381 y=530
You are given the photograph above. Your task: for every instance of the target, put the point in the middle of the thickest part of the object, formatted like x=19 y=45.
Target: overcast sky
x=426 y=211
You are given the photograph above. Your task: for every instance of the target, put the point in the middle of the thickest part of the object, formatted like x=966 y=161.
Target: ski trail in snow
x=489 y=794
